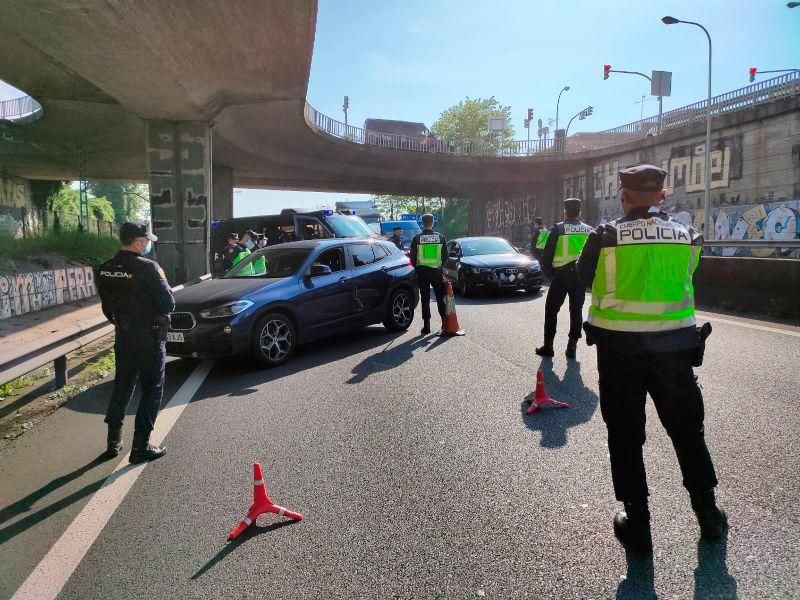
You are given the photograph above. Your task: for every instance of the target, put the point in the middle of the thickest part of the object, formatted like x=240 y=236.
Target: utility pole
x=345 y=107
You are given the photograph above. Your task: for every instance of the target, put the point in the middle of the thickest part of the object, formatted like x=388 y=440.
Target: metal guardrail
x=752 y=243
x=762 y=92
x=20 y=110
x=55 y=348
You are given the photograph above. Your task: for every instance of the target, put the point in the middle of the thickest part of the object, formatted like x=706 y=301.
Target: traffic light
x=527 y=123
x=589 y=110
x=606 y=71
x=753 y=72
x=346 y=104
x=540 y=123
x=530 y=114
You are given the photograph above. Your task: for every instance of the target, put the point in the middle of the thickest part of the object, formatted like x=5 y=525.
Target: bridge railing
x=762 y=92
x=24 y=109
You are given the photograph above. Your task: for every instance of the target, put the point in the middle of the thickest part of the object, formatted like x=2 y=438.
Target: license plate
x=174 y=336
x=510 y=271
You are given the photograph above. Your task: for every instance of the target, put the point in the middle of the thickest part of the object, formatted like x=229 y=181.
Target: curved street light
x=566 y=89
x=707 y=169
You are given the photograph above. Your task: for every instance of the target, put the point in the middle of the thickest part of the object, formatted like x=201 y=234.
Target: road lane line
x=54 y=570
x=710 y=317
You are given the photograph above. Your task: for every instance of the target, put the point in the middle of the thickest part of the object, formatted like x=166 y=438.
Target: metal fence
x=23 y=109
x=769 y=90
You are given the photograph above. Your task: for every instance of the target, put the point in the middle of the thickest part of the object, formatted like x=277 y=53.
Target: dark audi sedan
x=310 y=289
x=476 y=263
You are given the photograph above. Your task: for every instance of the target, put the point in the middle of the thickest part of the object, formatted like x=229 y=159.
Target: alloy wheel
x=275 y=340
x=402 y=311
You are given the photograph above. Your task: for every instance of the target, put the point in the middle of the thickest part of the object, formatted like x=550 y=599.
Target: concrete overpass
x=196 y=98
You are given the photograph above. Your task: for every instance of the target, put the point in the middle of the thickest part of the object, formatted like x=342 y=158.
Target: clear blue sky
x=411 y=59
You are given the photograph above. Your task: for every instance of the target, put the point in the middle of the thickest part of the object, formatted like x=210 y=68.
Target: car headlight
x=478 y=269
x=534 y=266
x=226 y=310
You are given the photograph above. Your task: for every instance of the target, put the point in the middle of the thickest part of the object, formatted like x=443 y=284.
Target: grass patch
x=10 y=388
x=102 y=366
x=75 y=246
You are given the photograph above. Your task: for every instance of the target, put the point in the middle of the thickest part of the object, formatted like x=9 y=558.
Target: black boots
x=712 y=519
x=426 y=327
x=546 y=349
x=632 y=527
x=572 y=346
x=142 y=450
x=114 y=441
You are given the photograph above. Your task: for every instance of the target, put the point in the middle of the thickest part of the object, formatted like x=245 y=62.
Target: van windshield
x=349 y=226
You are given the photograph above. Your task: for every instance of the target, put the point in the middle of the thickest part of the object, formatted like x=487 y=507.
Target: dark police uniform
x=642 y=320
x=428 y=257
x=397 y=240
x=137 y=299
x=563 y=247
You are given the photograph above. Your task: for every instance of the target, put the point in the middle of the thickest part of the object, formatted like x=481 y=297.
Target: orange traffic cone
x=541 y=398
x=450 y=324
x=261 y=504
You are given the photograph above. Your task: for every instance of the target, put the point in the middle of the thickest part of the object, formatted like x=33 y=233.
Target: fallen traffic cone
x=450 y=324
x=541 y=398
x=261 y=504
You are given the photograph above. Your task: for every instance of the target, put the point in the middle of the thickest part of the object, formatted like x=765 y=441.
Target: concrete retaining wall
x=22 y=293
x=766 y=286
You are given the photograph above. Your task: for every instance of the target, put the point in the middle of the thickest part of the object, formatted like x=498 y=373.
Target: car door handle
x=344 y=279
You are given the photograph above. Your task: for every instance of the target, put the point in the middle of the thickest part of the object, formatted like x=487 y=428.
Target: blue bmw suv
x=310 y=289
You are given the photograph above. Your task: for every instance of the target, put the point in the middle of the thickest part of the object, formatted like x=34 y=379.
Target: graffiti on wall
x=686 y=165
x=512 y=217
x=14 y=206
x=21 y=293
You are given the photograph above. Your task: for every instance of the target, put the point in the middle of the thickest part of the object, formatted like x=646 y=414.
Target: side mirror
x=320 y=270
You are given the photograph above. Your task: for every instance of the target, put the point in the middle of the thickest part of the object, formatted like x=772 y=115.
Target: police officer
x=231 y=252
x=260 y=262
x=642 y=319
x=428 y=257
x=397 y=237
x=564 y=244
x=136 y=298
x=538 y=238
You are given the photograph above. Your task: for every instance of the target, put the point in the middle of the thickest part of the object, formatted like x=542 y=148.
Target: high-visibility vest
x=541 y=240
x=248 y=270
x=429 y=250
x=259 y=265
x=570 y=243
x=644 y=282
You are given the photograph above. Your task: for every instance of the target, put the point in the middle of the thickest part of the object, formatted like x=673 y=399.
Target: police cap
x=642 y=178
x=573 y=203
x=134 y=229
x=233 y=235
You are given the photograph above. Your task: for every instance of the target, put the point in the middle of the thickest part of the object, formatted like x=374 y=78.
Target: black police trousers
x=625 y=380
x=138 y=353
x=428 y=278
x=565 y=283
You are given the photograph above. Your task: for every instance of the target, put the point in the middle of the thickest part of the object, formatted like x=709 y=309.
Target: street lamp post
x=707 y=173
x=566 y=89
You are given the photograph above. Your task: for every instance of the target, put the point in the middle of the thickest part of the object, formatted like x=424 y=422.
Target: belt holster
x=702 y=334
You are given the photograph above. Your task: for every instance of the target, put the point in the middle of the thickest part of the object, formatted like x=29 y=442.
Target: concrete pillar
x=223 y=194
x=179 y=167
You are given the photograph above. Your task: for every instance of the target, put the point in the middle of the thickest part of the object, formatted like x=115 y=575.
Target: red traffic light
x=606 y=69
x=530 y=114
x=753 y=72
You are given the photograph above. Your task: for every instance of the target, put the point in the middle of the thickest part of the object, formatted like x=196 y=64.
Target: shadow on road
x=711 y=577
x=639 y=581
x=501 y=297
x=553 y=423
x=26 y=503
x=390 y=357
x=249 y=533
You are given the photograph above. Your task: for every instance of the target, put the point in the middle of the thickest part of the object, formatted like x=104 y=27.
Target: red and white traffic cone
x=261 y=504
x=450 y=324
x=541 y=398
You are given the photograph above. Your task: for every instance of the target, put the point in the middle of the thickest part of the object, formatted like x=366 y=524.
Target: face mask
x=147 y=248
x=249 y=244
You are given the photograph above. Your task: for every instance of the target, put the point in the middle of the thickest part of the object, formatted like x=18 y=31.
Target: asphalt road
x=419 y=476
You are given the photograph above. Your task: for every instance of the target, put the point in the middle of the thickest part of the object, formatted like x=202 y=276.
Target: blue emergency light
x=327 y=212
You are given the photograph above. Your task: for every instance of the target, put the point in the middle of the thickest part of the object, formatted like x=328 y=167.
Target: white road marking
x=748 y=325
x=54 y=570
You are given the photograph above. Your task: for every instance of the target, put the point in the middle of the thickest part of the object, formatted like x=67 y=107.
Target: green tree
x=102 y=209
x=465 y=126
x=67 y=201
x=130 y=201
x=392 y=205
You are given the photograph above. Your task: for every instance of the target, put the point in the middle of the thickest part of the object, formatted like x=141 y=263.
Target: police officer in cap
x=642 y=319
x=397 y=237
x=428 y=257
x=230 y=254
x=564 y=245
x=136 y=298
x=538 y=238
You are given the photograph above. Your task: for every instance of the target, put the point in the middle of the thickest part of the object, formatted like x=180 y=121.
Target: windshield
x=349 y=226
x=410 y=229
x=486 y=246
x=278 y=262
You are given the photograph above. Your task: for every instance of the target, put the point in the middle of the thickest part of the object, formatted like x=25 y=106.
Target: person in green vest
x=232 y=253
x=428 y=257
x=246 y=246
x=640 y=268
x=564 y=245
x=260 y=262
x=538 y=238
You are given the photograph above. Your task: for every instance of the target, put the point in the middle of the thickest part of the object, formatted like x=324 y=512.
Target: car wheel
x=464 y=287
x=274 y=339
x=400 y=312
